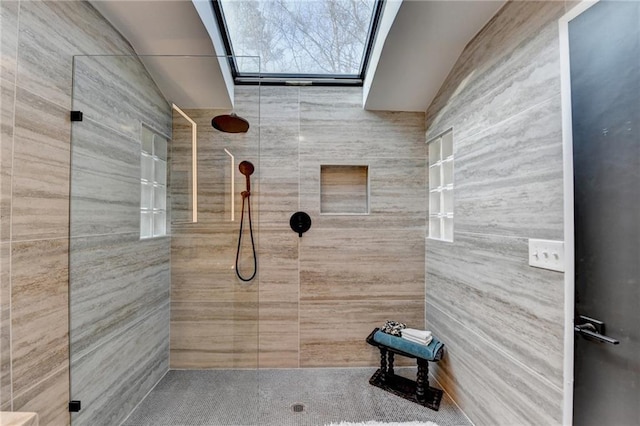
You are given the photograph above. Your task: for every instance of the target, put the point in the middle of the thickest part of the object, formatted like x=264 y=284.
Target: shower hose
x=245 y=198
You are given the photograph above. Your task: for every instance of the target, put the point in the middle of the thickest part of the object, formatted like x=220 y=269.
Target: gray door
x=605 y=83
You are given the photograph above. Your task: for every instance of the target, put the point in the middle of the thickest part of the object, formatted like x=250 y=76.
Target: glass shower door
x=155 y=199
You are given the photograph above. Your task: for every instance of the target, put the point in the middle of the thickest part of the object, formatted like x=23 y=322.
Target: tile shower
x=185 y=309
x=317 y=282
x=364 y=267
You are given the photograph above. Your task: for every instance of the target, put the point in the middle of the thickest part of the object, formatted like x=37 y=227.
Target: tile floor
x=266 y=397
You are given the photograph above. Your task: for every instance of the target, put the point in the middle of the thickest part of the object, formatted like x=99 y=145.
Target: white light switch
x=546 y=254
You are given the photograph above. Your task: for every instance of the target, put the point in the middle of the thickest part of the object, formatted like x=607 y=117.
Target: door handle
x=593 y=329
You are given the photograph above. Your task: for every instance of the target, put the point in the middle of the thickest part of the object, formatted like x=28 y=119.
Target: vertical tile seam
x=261 y=228
x=12 y=182
x=298 y=241
x=170 y=242
x=425 y=188
x=426 y=218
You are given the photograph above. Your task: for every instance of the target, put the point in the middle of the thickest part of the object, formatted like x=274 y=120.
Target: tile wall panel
x=482 y=379
x=105 y=171
x=338 y=265
x=512 y=64
x=279 y=142
x=358 y=271
x=279 y=329
x=502 y=99
x=122 y=104
x=333 y=332
x=111 y=379
x=278 y=196
x=50 y=33
x=216 y=334
x=333 y=124
x=7 y=97
x=38 y=42
x=40 y=193
x=5 y=327
x=213 y=314
x=398 y=188
x=279 y=107
x=48 y=397
x=130 y=281
x=202 y=266
x=279 y=299
x=44 y=52
x=39 y=310
x=485 y=284
x=509 y=177
x=278 y=199
x=279 y=270
x=9 y=10
x=248 y=106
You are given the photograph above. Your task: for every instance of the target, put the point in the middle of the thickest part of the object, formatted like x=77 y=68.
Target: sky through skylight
x=326 y=37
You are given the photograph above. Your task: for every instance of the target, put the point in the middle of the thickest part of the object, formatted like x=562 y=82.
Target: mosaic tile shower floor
x=266 y=397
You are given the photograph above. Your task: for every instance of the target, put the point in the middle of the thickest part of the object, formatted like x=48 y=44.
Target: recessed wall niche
x=344 y=189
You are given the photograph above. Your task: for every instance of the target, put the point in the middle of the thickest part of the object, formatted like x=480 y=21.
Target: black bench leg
x=390 y=358
x=422 y=381
x=383 y=363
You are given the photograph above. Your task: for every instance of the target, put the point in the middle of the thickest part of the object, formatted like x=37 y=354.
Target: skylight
x=315 y=40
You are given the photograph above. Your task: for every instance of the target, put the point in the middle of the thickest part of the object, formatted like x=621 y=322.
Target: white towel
x=418 y=334
x=418 y=341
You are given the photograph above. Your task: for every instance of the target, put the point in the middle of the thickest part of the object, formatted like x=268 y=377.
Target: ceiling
x=418 y=44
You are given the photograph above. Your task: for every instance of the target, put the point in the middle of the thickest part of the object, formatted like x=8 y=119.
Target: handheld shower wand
x=247 y=169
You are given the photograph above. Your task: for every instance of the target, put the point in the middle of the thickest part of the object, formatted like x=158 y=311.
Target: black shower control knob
x=300 y=223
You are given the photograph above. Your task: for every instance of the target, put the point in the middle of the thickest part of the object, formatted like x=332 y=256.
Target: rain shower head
x=230 y=123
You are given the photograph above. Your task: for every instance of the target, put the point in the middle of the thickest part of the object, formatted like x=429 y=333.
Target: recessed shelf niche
x=344 y=189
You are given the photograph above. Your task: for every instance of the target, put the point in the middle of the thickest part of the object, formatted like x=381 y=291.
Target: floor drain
x=297 y=408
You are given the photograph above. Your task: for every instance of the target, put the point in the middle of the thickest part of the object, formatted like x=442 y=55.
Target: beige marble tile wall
x=501 y=319
x=358 y=271
x=319 y=295
x=279 y=247
x=213 y=314
x=38 y=41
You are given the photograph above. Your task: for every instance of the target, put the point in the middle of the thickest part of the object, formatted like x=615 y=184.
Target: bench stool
x=417 y=391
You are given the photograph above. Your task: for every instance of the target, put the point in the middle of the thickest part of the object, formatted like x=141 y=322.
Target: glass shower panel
x=211 y=268
x=155 y=202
